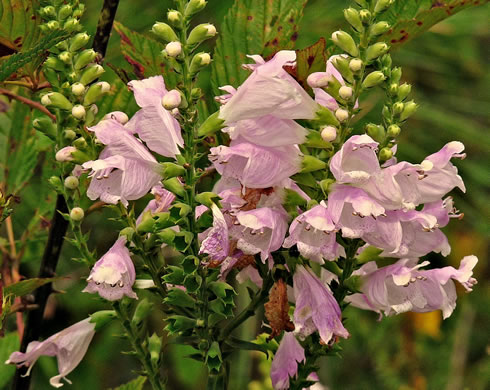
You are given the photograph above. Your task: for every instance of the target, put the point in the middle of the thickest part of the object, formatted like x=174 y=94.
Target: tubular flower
x=285 y=362
x=113 y=275
x=316 y=308
x=69 y=346
x=217 y=244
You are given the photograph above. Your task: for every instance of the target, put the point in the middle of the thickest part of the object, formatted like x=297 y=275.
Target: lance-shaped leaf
x=27 y=286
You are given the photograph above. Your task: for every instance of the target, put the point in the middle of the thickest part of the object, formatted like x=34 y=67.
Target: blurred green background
x=448 y=69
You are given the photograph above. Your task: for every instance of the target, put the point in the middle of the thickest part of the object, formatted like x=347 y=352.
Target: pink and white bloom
x=113 y=275
x=403 y=287
x=256 y=166
x=316 y=307
x=285 y=362
x=217 y=243
x=318 y=80
x=313 y=232
x=153 y=123
x=269 y=90
x=69 y=346
x=125 y=170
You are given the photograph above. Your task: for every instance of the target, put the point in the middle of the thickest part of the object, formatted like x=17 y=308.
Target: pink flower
x=269 y=90
x=217 y=244
x=285 y=362
x=154 y=124
x=125 y=170
x=318 y=80
x=316 y=308
x=313 y=232
x=163 y=200
x=113 y=275
x=69 y=346
x=402 y=287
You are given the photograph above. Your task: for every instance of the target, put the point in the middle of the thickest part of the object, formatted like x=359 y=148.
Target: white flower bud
x=77 y=214
x=329 y=134
x=173 y=49
x=171 y=100
x=211 y=30
x=345 y=92
x=69 y=134
x=205 y=58
x=71 y=182
x=65 y=154
x=77 y=89
x=45 y=100
x=65 y=57
x=341 y=114
x=174 y=16
x=104 y=86
x=78 y=111
x=318 y=80
x=355 y=65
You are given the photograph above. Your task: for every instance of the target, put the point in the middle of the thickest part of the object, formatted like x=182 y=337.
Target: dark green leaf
x=27 y=286
x=136 y=384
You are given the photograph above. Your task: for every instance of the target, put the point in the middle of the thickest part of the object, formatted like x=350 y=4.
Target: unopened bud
x=95 y=91
x=80 y=143
x=376 y=50
x=65 y=11
x=48 y=12
x=379 y=28
x=200 y=33
x=119 y=116
x=194 y=6
x=404 y=91
x=53 y=25
x=408 y=110
x=91 y=73
x=393 y=89
x=65 y=57
x=396 y=74
x=78 y=12
x=373 y=78
x=69 y=135
x=171 y=100
x=365 y=16
x=79 y=41
x=84 y=58
x=71 y=182
x=77 y=214
x=174 y=17
x=78 y=111
x=211 y=125
x=196 y=93
x=65 y=154
x=173 y=49
x=199 y=61
x=341 y=63
x=54 y=63
x=381 y=5
x=345 y=92
x=55 y=181
x=78 y=89
x=46 y=126
x=57 y=100
x=318 y=79
x=355 y=65
x=71 y=25
x=341 y=114
x=329 y=134
x=398 y=108
x=376 y=132
x=393 y=131
x=345 y=42
x=352 y=16
x=164 y=31
x=385 y=154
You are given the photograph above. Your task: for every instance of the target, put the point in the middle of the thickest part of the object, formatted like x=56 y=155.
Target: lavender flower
x=285 y=362
x=216 y=244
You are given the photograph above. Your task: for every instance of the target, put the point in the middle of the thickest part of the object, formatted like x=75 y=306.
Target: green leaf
x=136 y=384
x=310 y=60
x=27 y=286
x=253 y=27
x=8 y=344
x=144 y=55
x=406 y=29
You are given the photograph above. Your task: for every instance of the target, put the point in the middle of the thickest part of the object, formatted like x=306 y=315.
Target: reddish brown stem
x=29 y=102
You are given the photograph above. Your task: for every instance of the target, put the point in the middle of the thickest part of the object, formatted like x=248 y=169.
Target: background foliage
x=447 y=67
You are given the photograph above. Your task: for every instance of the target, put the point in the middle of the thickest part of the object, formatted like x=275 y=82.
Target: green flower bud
x=341 y=114
x=91 y=73
x=398 y=108
x=69 y=135
x=352 y=16
x=71 y=25
x=65 y=57
x=379 y=28
x=196 y=93
x=211 y=125
x=155 y=347
x=329 y=133
x=56 y=99
x=376 y=50
x=78 y=89
x=193 y=7
x=72 y=77
x=376 y=132
x=95 y=91
x=71 y=182
x=174 y=17
x=79 y=41
x=345 y=42
x=200 y=33
x=385 y=154
x=46 y=126
x=393 y=89
x=102 y=318
x=408 y=110
x=373 y=79
x=80 y=143
x=170 y=170
x=342 y=65
x=54 y=63
x=78 y=111
x=381 y=5
x=362 y=3
x=345 y=92
x=174 y=186
x=84 y=58
x=77 y=214
x=65 y=11
x=164 y=31
x=396 y=75
x=91 y=113
x=48 y=12
x=365 y=16
x=52 y=25
x=55 y=182
x=78 y=12
x=404 y=91
x=386 y=61
x=199 y=61
x=355 y=65
x=393 y=131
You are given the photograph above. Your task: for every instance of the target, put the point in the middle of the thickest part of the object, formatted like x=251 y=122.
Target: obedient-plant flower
x=69 y=346
x=285 y=362
x=113 y=275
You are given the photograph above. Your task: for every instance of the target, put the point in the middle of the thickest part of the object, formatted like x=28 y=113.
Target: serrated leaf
x=253 y=27
x=8 y=344
x=405 y=30
x=144 y=55
x=26 y=286
x=136 y=384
